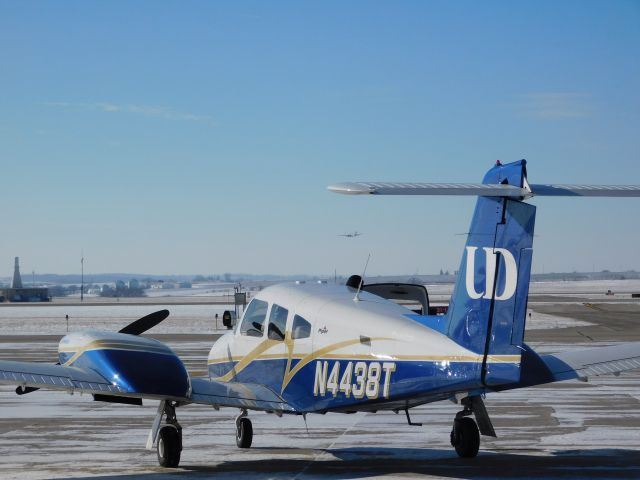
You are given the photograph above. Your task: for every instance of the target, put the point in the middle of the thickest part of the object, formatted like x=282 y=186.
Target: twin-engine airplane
x=317 y=348
x=350 y=235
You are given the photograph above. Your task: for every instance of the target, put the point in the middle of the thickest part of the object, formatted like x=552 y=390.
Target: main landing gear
x=168 y=439
x=465 y=435
x=244 y=430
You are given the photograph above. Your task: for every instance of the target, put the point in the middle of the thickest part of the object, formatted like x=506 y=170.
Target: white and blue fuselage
x=359 y=353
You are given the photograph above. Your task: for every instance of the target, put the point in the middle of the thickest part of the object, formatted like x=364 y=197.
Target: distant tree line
x=64 y=290
x=121 y=289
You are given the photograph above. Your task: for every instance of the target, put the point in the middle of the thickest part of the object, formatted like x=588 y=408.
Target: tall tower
x=17 y=280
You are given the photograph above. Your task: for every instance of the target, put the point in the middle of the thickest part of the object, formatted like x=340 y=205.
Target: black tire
x=244 y=433
x=465 y=437
x=169 y=447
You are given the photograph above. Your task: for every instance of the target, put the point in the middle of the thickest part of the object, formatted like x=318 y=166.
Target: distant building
x=17 y=279
x=18 y=293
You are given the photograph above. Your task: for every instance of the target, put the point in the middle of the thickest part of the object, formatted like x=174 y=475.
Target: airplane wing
x=56 y=377
x=28 y=375
x=235 y=394
x=590 y=362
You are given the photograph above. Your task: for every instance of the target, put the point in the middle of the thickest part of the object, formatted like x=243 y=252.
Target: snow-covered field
x=50 y=319
x=595 y=289
x=571 y=430
x=566 y=430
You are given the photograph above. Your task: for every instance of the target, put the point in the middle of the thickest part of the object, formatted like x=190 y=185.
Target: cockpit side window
x=277 y=322
x=300 y=328
x=254 y=317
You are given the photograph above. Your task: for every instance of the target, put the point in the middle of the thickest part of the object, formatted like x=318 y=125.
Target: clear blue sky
x=199 y=137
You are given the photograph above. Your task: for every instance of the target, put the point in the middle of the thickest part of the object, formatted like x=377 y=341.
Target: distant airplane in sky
x=350 y=235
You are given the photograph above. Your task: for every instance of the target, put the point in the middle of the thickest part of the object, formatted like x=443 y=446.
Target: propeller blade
x=145 y=323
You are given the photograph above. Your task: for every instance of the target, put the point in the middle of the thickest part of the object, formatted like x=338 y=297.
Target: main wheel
x=244 y=433
x=465 y=437
x=169 y=447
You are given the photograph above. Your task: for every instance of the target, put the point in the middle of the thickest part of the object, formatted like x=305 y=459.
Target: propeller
x=137 y=327
x=145 y=323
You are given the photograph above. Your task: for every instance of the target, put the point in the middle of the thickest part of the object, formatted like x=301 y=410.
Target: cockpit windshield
x=254 y=317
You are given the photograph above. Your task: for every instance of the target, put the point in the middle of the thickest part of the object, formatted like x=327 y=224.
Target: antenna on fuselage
x=357 y=297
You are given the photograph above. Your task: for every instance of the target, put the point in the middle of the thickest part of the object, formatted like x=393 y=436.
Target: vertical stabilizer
x=489 y=301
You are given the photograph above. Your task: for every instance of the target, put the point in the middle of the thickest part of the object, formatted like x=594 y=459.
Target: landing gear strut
x=169 y=437
x=465 y=435
x=244 y=430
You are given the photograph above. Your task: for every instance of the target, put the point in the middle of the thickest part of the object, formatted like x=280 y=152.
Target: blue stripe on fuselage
x=409 y=378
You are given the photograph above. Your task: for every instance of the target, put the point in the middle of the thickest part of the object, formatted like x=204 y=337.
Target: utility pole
x=82 y=277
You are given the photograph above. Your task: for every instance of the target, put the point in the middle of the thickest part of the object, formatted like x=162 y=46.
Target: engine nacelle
x=136 y=364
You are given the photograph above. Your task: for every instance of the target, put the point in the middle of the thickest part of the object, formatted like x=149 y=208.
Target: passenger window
x=277 y=322
x=253 y=320
x=300 y=328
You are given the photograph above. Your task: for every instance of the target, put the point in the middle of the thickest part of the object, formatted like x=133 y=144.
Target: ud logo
x=510 y=269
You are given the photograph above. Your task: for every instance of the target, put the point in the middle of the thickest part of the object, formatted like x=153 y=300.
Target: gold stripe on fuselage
x=111 y=345
x=337 y=356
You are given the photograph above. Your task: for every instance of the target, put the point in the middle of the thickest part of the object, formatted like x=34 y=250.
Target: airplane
x=350 y=235
x=305 y=348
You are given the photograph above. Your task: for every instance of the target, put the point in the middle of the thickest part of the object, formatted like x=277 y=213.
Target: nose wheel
x=244 y=431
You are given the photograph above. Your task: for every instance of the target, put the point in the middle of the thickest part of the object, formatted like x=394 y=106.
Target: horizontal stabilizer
x=542 y=190
x=593 y=361
x=395 y=188
x=484 y=190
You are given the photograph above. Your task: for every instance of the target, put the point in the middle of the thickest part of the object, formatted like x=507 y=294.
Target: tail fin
x=489 y=302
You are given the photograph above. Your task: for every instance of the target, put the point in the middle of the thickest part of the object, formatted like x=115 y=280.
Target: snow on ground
x=543 y=321
x=567 y=430
x=595 y=289
x=50 y=319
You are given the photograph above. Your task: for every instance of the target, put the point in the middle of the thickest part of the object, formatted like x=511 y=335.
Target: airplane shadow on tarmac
x=356 y=463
